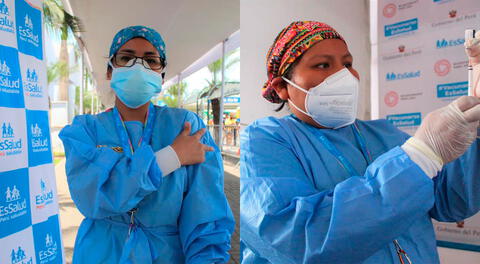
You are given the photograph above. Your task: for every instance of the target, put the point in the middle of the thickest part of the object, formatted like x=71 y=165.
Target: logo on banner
x=26 y=32
x=49 y=252
x=45 y=197
x=14 y=205
x=405 y=120
x=402 y=52
x=452 y=13
x=8 y=82
x=19 y=257
x=389 y=10
x=231 y=100
x=453 y=17
x=32 y=85
x=39 y=149
x=442 y=1
x=447 y=43
x=28 y=20
x=442 y=67
x=9 y=144
x=401 y=27
x=392 y=76
x=6 y=24
x=452 y=89
x=39 y=139
x=391 y=99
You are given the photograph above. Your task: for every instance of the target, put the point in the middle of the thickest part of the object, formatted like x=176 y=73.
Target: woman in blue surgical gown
x=319 y=186
x=150 y=192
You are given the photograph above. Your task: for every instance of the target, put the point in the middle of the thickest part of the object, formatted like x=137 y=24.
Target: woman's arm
x=457 y=186
x=284 y=219
x=206 y=221
x=103 y=182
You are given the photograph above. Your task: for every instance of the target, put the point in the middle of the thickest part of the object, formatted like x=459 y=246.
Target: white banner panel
x=419 y=65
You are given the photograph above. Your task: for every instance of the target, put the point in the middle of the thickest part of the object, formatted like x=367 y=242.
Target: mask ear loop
x=294 y=85
x=301 y=89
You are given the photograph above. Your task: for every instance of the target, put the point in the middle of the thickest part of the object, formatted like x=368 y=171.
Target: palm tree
x=170 y=97
x=215 y=69
x=59 y=21
x=55 y=70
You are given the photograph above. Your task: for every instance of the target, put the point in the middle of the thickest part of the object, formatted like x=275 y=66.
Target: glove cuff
x=425 y=149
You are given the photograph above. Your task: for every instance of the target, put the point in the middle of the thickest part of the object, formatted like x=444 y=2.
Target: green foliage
x=87 y=100
x=170 y=96
x=57 y=20
x=215 y=67
x=57 y=70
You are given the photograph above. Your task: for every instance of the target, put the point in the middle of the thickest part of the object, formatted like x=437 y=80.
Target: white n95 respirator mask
x=332 y=103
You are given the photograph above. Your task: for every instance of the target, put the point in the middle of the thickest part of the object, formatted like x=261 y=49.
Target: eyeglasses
x=128 y=60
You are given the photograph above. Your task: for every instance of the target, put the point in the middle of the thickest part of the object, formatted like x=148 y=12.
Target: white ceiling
x=190 y=28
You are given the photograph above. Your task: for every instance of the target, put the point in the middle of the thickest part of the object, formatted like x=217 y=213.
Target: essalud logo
x=395 y=76
x=19 y=257
x=9 y=145
x=446 y=43
x=4 y=8
x=6 y=79
x=26 y=32
x=39 y=141
x=6 y=24
x=50 y=251
x=36 y=131
x=32 y=75
x=45 y=197
x=4 y=69
x=13 y=203
x=31 y=85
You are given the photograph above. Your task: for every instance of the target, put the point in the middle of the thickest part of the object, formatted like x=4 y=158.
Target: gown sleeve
x=206 y=221
x=457 y=186
x=103 y=182
x=285 y=219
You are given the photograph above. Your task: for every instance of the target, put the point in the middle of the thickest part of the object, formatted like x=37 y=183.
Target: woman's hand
x=472 y=48
x=188 y=148
x=449 y=131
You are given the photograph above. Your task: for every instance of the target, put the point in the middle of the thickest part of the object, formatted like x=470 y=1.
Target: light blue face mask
x=135 y=85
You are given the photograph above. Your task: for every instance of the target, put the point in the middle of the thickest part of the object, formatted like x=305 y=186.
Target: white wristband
x=167 y=160
x=431 y=166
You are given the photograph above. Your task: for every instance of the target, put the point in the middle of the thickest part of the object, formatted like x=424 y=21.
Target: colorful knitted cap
x=290 y=44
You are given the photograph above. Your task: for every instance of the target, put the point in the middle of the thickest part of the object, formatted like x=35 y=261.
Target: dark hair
x=288 y=75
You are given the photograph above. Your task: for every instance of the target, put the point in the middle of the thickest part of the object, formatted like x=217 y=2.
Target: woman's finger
x=187 y=127
x=472 y=114
x=207 y=148
x=199 y=133
x=466 y=102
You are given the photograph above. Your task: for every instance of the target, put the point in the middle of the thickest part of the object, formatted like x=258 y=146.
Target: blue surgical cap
x=147 y=33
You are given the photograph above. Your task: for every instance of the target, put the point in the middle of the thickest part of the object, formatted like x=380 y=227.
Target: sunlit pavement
x=70 y=217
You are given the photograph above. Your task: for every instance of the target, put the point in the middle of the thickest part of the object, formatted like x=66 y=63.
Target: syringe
x=470 y=34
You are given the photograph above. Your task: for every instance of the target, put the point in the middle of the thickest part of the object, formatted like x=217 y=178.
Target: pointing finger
x=187 y=129
x=200 y=133
x=208 y=148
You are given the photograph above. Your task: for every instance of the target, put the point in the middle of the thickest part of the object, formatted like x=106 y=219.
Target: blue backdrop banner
x=29 y=221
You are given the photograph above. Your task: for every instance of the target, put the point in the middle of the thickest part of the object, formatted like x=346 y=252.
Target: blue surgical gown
x=183 y=217
x=298 y=204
